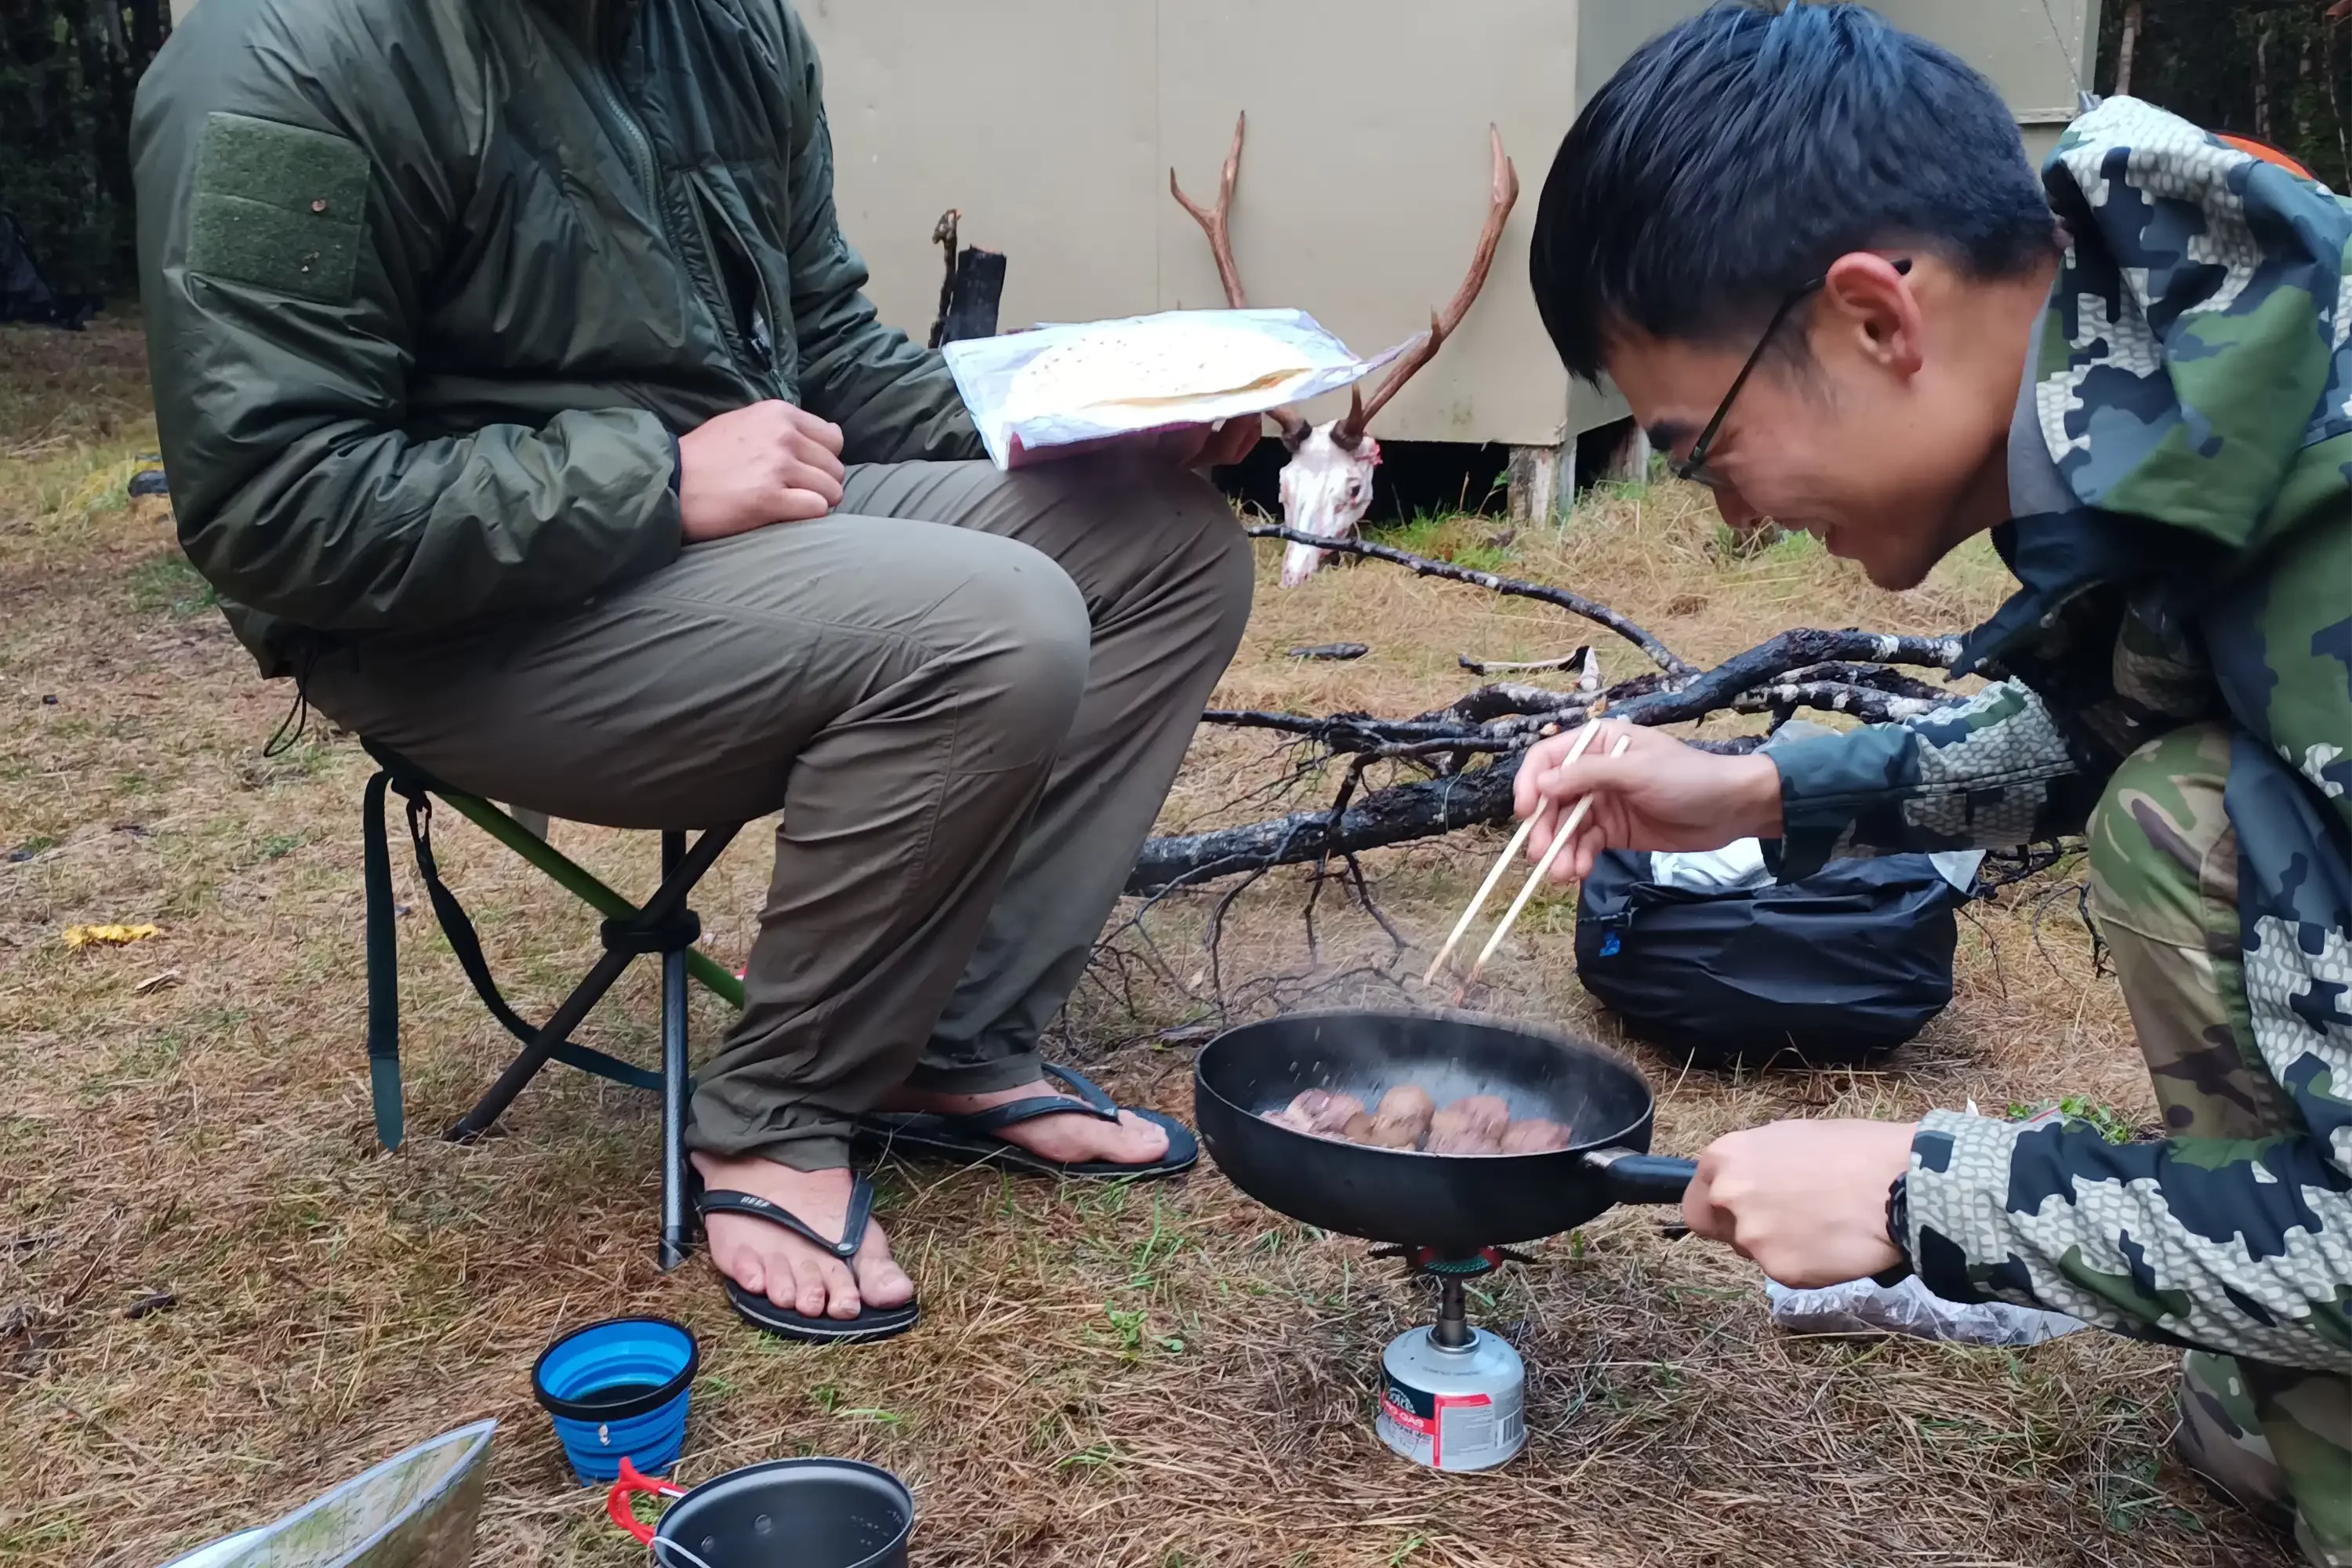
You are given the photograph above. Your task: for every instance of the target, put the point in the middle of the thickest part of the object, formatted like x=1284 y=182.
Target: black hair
x=1739 y=153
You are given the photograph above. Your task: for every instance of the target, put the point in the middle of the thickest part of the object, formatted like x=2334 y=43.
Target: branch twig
x=1497 y=667
x=1559 y=599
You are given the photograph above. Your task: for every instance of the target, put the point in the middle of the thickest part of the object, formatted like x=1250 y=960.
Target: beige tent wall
x=1611 y=33
x=1362 y=185
x=1361 y=199
x=1367 y=179
x=1057 y=160
x=2038 y=55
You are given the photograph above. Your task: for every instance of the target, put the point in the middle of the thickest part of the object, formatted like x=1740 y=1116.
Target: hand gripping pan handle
x=1630 y=1178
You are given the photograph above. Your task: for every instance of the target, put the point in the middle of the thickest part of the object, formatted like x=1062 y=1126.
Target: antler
x=1349 y=432
x=1213 y=223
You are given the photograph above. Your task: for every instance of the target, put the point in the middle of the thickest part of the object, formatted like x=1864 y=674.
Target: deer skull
x=1327 y=486
x=1326 y=489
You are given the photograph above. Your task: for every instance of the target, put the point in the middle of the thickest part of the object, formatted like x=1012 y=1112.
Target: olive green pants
x=2164 y=883
x=966 y=692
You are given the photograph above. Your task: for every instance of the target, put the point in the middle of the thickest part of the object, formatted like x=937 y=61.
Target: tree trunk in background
x=2335 y=107
x=2262 y=82
x=2134 y=18
x=147 y=26
x=110 y=24
x=2306 y=88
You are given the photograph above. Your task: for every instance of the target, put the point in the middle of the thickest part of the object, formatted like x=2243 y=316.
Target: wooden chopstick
x=1535 y=879
x=1510 y=853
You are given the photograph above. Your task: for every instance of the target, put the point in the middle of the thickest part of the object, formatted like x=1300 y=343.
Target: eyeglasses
x=1694 y=467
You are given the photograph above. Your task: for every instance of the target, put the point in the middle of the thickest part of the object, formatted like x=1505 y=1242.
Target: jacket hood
x=2195 y=346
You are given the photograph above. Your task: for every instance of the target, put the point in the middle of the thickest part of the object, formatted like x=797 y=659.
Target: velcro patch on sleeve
x=278 y=206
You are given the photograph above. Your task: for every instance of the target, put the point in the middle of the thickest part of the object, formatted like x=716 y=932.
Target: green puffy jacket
x=432 y=286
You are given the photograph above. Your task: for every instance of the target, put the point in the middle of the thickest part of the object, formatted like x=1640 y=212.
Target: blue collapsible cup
x=618 y=1390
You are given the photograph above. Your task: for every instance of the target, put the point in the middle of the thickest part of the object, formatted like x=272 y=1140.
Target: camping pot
x=786 y=1514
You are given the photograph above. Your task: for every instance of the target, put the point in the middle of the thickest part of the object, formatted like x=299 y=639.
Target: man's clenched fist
x=748 y=468
x=1806 y=1200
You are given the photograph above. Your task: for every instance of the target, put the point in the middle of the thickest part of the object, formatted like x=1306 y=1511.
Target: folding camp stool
x=663 y=925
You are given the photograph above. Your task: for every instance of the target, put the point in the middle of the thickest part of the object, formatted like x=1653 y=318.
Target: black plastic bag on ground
x=1835 y=970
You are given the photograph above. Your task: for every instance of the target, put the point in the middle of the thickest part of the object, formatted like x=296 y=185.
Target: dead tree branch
x=1392 y=816
x=1559 y=599
x=1473 y=745
x=1808 y=669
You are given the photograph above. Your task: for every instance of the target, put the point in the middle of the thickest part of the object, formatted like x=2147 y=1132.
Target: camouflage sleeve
x=2238 y=1246
x=1984 y=773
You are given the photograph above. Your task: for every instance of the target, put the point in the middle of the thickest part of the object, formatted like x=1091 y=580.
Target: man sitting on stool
x=519 y=398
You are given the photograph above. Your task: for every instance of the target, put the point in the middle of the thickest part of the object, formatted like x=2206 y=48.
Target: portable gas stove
x=1455 y=1397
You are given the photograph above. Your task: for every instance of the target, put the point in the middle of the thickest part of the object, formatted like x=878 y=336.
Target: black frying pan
x=1455 y=1204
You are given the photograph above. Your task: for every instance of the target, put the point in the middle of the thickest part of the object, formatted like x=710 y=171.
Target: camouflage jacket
x=2184 y=550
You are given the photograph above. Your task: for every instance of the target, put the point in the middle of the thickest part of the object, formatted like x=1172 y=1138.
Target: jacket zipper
x=730 y=332
x=762 y=354
x=641 y=152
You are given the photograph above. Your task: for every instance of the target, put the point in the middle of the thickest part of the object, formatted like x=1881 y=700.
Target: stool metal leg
x=554 y=1032
x=666 y=902
x=675 y=1236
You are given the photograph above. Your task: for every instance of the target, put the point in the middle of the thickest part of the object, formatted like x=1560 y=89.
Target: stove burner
x=1454 y=1264
x=1449 y=1270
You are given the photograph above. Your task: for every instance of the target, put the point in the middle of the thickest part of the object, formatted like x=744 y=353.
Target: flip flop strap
x=722 y=1200
x=1091 y=1101
x=1085 y=1088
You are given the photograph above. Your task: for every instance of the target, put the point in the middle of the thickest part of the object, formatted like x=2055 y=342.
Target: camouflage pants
x=2164 y=884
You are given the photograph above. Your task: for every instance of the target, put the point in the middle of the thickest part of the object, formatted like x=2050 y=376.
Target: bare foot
x=769 y=1260
x=1064 y=1140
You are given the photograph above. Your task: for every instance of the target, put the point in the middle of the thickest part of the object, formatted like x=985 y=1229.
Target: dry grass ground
x=1152 y=1377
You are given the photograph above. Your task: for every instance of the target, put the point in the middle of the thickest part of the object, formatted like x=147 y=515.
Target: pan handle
x=1630 y=1178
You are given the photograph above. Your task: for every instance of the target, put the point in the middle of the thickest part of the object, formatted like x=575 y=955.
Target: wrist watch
x=1898 y=1231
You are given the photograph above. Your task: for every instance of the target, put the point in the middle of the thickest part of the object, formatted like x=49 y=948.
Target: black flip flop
x=972 y=1139
x=873 y=1324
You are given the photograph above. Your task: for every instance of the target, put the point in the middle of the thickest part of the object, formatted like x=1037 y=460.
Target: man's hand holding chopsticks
x=1656 y=793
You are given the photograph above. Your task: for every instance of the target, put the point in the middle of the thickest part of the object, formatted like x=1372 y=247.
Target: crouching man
x=1809 y=251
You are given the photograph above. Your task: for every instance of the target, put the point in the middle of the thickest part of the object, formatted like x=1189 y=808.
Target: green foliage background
x=2275 y=70
x=67 y=70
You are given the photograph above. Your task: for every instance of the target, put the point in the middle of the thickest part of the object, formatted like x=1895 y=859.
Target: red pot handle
x=620 y=1502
